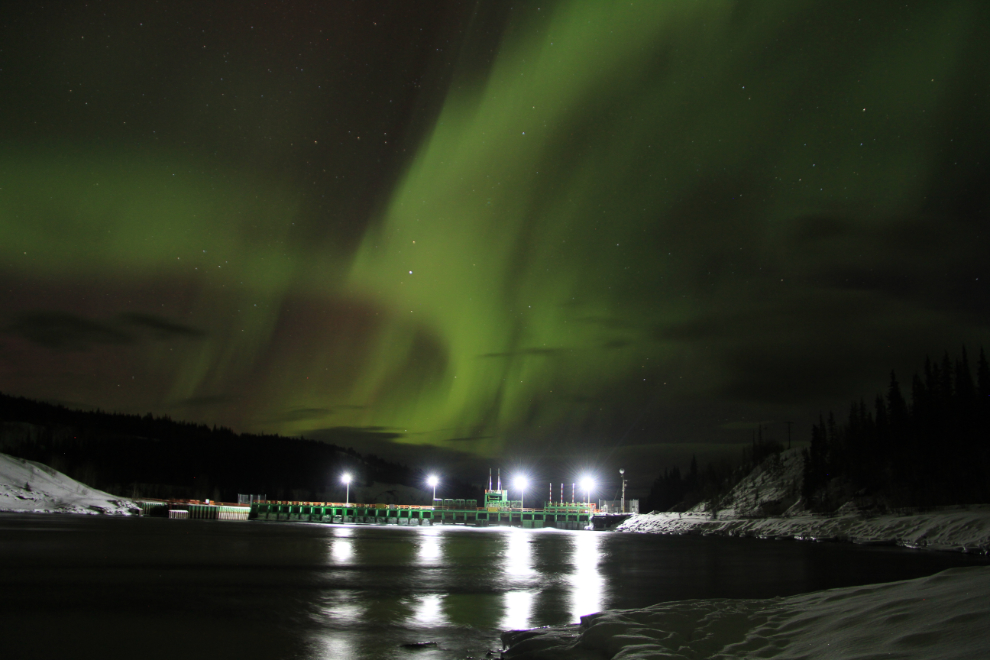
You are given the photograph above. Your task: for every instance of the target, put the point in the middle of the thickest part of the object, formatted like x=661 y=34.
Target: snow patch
x=30 y=487
x=943 y=616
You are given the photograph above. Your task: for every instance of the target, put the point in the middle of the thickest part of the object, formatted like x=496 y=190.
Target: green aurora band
x=637 y=209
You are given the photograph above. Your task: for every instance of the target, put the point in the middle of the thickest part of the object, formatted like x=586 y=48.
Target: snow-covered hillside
x=29 y=487
x=774 y=486
x=945 y=616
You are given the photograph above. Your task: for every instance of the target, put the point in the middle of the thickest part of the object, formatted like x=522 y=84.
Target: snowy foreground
x=30 y=487
x=944 y=616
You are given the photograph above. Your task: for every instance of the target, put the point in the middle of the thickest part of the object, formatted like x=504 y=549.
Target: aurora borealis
x=620 y=232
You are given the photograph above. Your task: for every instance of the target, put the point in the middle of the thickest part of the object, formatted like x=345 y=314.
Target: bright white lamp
x=521 y=482
x=433 y=481
x=347 y=480
x=587 y=483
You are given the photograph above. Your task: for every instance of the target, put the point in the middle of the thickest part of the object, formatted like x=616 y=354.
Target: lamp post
x=347 y=480
x=587 y=484
x=622 y=473
x=521 y=485
x=433 y=481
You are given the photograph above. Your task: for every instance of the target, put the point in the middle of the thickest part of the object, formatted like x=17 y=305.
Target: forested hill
x=134 y=455
x=931 y=450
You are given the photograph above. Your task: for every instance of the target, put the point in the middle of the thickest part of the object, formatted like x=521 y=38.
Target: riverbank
x=30 y=487
x=960 y=529
x=775 y=485
x=943 y=616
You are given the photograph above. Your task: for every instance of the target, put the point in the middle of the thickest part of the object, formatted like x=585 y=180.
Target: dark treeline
x=933 y=450
x=148 y=456
x=674 y=491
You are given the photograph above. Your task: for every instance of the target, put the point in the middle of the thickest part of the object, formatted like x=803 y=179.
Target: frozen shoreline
x=946 y=615
x=943 y=616
x=30 y=487
x=776 y=481
x=960 y=529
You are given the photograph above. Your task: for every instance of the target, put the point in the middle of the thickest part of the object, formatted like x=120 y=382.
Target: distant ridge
x=149 y=456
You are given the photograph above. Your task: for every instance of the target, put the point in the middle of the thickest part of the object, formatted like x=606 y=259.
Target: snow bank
x=774 y=486
x=944 y=616
x=29 y=487
x=960 y=529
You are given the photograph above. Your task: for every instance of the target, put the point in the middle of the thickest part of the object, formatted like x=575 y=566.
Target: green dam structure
x=497 y=510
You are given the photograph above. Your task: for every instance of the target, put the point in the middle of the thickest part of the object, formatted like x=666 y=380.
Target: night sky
x=543 y=235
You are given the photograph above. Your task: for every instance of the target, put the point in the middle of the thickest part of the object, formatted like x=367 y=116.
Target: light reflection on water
x=428 y=610
x=286 y=590
x=429 y=551
x=517 y=564
x=333 y=647
x=587 y=583
x=521 y=578
x=438 y=582
x=341 y=551
x=518 y=610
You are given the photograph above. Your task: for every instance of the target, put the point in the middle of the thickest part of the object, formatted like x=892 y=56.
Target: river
x=149 y=588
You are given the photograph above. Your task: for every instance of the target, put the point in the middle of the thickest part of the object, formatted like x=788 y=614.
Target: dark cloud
x=470 y=438
x=609 y=322
x=68 y=332
x=930 y=262
x=360 y=431
x=744 y=426
x=72 y=332
x=523 y=352
x=160 y=327
x=204 y=401
x=308 y=414
x=807 y=347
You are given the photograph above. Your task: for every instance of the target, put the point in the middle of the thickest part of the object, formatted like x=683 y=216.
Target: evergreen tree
x=983 y=376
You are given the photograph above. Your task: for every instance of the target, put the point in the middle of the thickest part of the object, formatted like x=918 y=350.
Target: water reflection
x=365 y=593
x=587 y=583
x=518 y=610
x=518 y=557
x=344 y=606
x=429 y=550
x=334 y=646
x=530 y=586
x=341 y=550
x=428 y=610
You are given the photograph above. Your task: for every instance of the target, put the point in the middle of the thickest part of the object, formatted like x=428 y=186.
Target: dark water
x=151 y=588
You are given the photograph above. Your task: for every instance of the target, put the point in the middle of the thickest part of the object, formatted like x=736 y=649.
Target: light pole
x=622 y=473
x=433 y=481
x=587 y=484
x=521 y=485
x=347 y=480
